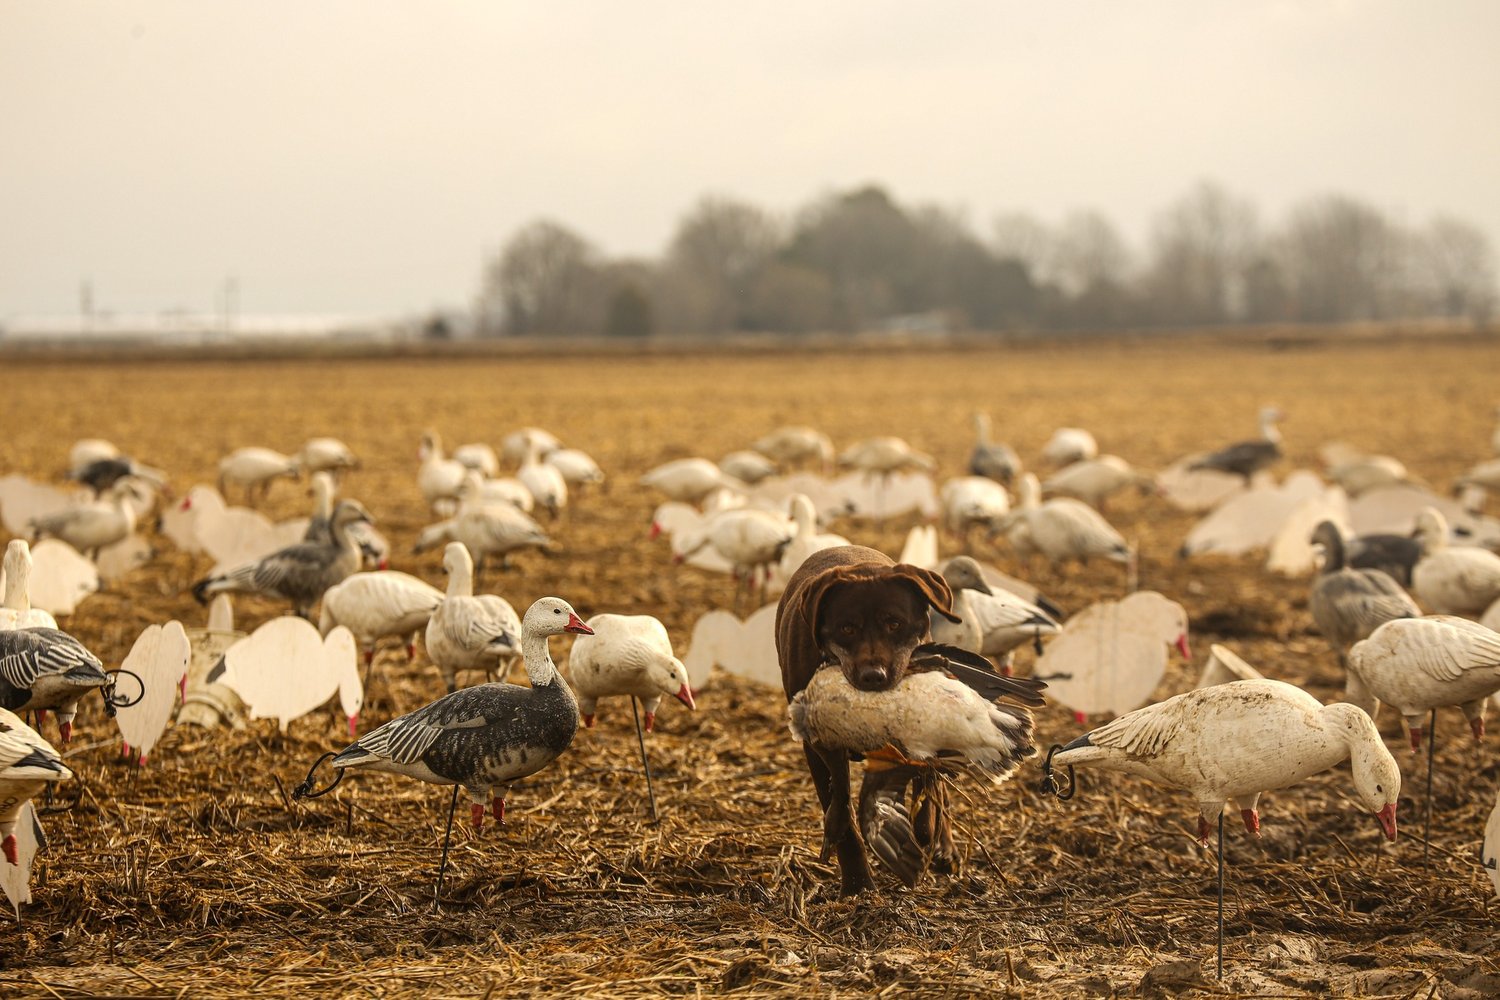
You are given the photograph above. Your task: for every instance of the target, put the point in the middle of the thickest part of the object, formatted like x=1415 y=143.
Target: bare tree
x=1343 y=259
x=1023 y=237
x=1455 y=267
x=715 y=262
x=1202 y=247
x=1089 y=252
x=546 y=280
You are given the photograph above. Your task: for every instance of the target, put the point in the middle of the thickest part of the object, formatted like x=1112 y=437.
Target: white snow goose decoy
x=326 y=454
x=482 y=739
x=466 y=632
x=1417 y=665
x=486 y=529
x=690 y=480
x=789 y=447
x=751 y=540
x=747 y=466
x=43 y=668
x=438 y=477
x=578 y=468
x=941 y=718
x=375 y=605
x=1246 y=458
x=807 y=539
x=991 y=459
x=1068 y=445
x=254 y=469
x=16 y=610
x=27 y=764
x=545 y=483
x=1095 y=480
x=1452 y=579
x=882 y=457
x=995 y=622
x=1060 y=529
x=972 y=501
x=513 y=446
x=93 y=526
x=1348 y=604
x=298 y=573
x=479 y=457
x=628 y=655
x=1233 y=742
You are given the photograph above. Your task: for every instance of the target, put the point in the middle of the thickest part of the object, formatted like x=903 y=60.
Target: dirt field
x=197 y=876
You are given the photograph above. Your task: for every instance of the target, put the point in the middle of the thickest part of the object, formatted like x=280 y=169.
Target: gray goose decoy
x=484 y=738
x=1348 y=604
x=42 y=668
x=100 y=474
x=989 y=459
x=298 y=573
x=1247 y=458
x=1394 y=555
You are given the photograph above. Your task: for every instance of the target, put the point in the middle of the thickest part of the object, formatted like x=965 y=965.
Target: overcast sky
x=363 y=156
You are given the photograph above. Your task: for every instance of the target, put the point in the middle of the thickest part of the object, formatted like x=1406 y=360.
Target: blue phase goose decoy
x=298 y=573
x=1348 y=604
x=486 y=737
x=42 y=668
x=27 y=764
x=1394 y=555
x=1246 y=458
x=992 y=459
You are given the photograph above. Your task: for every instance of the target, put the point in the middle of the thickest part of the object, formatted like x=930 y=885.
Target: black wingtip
x=200 y=590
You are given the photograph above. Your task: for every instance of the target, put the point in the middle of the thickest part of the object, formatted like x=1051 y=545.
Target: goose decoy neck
x=1331 y=540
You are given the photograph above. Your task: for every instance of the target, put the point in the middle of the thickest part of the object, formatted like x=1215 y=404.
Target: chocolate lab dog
x=856 y=607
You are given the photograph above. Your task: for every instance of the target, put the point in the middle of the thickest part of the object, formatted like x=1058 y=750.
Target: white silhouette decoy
x=1223 y=666
x=60 y=577
x=744 y=648
x=970 y=502
x=1489 y=852
x=285 y=669
x=1110 y=656
x=155 y=672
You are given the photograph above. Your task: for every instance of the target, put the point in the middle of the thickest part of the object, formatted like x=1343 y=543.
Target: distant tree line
x=859 y=260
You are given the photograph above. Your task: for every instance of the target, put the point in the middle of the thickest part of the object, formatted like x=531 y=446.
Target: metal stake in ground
x=1427 y=812
x=640 y=737
x=437 y=896
x=1221 y=895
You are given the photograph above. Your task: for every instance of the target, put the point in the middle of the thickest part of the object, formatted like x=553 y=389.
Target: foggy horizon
x=367 y=158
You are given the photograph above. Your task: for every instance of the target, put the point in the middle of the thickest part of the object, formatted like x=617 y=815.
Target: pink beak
x=353 y=724
x=676 y=559
x=685 y=695
x=182 y=690
x=187 y=504
x=655 y=531
x=1182 y=647
x=1387 y=818
x=576 y=625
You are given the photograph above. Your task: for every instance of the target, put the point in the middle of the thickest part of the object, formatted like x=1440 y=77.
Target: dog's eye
x=892 y=626
x=848 y=631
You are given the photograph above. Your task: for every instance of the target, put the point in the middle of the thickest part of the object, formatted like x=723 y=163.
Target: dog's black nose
x=872 y=678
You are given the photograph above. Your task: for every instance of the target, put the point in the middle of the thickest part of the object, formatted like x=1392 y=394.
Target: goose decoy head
x=553 y=616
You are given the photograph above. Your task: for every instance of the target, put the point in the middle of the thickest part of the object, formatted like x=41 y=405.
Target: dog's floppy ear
x=933 y=587
x=815 y=590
